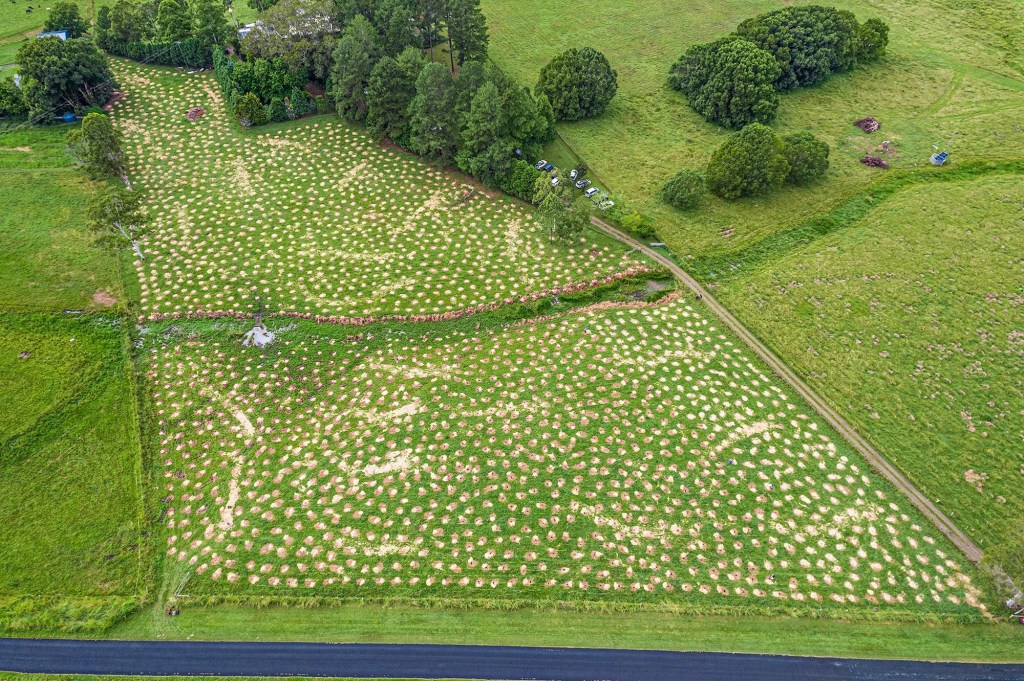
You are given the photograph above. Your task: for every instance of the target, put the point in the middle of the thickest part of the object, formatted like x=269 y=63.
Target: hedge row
x=190 y=53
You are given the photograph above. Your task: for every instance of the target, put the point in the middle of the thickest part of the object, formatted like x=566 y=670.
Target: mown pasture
x=951 y=66
x=70 y=473
x=70 y=458
x=909 y=320
x=49 y=261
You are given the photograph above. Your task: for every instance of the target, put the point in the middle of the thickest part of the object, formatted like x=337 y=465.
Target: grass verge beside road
x=542 y=627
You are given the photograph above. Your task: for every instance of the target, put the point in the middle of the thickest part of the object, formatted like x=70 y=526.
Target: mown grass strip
x=720 y=268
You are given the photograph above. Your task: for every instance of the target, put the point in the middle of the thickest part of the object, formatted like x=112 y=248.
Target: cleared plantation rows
x=625 y=454
x=317 y=218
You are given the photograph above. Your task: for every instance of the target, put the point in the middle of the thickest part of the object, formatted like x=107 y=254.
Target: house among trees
x=62 y=34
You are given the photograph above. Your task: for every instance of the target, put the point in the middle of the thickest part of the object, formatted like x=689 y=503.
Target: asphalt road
x=957 y=536
x=178 y=658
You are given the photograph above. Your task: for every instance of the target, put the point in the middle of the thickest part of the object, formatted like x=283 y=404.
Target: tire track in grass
x=873 y=456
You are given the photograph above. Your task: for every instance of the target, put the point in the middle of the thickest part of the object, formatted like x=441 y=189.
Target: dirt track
x=878 y=462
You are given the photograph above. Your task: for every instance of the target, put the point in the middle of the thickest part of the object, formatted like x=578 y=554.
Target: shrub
x=250 y=111
x=64 y=16
x=578 y=83
x=626 y=217
x=299 y=104
x=684 y=190
x=807 y=157
x=266 y=78
x=810 y=42
x=519 y=180
x=97 y=146
x=640 y=224
x=872 y=40
x=277 y=112
x=12 y=100
x=729 y=82
x=749 y=163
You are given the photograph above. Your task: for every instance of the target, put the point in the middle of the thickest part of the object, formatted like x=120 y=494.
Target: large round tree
x=579 y=83
x=63 y=75
x=749 y=163
x=807 y=157
x=729 y=82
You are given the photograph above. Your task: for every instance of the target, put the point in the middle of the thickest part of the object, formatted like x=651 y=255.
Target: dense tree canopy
x=391 y=89
x=467 y=30
x=729 y=82
x=298 y=31
x=732 y=81
x=97 y=146
x=62 y=75
x=172 y=21
x=487 y=145
x=209 y=22
x=434 y=120
x=750 y=162
x=807 y=157
x=809 y=42
x=578 y=83
x=354 y=57
x=64 y=16
x=127 y=24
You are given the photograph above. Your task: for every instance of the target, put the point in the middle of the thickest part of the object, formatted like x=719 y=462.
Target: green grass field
x=367 y=623
x=909 y=321
x=70 y=459
x=70 y=463
x=49 y=261
x=951 y=66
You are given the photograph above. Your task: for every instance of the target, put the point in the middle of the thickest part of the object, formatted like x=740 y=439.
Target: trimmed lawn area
x=70 y=462
x=49 y=261
x=528 y=627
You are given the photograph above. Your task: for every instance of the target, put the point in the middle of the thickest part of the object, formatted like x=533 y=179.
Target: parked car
x=539 y=165
x=573 y=173
x=582 y=184
x=549 y=167
x=605 y=205
x=554 y=181
x=590 y=193
x=518 y=153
